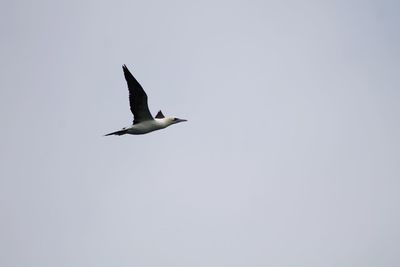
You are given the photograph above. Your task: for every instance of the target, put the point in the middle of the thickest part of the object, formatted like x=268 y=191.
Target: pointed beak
x=180 y=120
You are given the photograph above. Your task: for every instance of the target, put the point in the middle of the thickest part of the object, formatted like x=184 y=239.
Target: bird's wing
x=160 y=115
x=137 y=98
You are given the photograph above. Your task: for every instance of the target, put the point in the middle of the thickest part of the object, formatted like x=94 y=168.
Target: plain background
x=290 y=156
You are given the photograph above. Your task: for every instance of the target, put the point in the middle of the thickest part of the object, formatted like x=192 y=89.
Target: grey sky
x=290 y=156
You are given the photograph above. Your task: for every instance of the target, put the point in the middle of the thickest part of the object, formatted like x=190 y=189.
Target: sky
x=290 y=156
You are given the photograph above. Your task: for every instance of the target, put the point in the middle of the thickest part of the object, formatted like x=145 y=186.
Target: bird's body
x=145 y=126
x=143 y=120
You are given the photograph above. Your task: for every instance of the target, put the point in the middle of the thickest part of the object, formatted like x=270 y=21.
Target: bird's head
x=173 y=120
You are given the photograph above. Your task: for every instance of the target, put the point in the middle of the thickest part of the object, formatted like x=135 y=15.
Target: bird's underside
x=144 y=127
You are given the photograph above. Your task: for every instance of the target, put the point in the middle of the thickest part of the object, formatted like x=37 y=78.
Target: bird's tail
x=120 y=132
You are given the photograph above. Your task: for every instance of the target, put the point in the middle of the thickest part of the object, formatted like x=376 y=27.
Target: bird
x=143 y=121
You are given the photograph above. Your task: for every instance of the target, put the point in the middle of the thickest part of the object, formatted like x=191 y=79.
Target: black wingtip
x=160 y=115
x=125 y=69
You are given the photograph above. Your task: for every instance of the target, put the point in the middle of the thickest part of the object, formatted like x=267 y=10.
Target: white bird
x=143 y=121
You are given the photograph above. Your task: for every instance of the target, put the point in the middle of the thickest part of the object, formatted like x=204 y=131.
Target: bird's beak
x=180 y=120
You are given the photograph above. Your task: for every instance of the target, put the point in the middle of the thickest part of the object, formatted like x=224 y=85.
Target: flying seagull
x=143 y=121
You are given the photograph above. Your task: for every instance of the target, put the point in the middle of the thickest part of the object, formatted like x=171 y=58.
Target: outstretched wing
x=137 y=98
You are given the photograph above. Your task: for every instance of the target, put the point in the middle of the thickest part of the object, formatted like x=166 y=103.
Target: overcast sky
x=290 y=156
